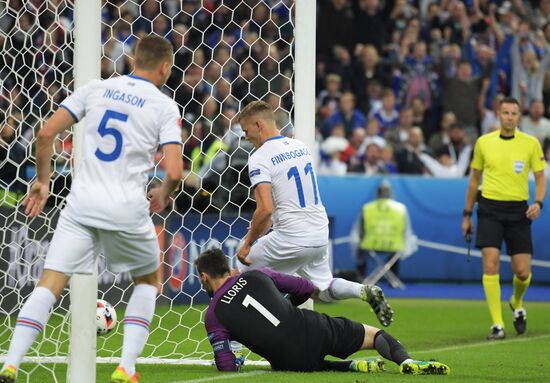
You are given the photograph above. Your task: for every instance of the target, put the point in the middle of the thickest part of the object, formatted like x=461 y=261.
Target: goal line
x=149 y=360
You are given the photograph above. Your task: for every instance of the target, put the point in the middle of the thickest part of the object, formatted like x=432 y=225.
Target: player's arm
x=223 y=355
x=538 y=164
x=299 y=289
x=160 y=197
x=261 y=219
x=533 y=211
x=540 y=186
x=170 y=141
x=61 y=120
x=473 y=185
x=221 y=344
x=35 y=201
x=471 y=193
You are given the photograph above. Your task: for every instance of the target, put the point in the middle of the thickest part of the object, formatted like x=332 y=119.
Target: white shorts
x=311 y=263
x=74 y=247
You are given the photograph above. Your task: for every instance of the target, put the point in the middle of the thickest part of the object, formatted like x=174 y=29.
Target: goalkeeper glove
x=237 y=350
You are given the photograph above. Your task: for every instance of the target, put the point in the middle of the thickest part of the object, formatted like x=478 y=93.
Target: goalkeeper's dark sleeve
x=224 y=357
x=220 y=340
x=299 y=289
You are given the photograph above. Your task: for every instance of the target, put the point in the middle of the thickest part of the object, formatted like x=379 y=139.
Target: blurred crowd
x=407 y=86
x=402 y=86
x=226 y=54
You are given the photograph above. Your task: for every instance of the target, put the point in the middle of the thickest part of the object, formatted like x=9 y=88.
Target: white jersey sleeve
x=258 y=171
x=170 y=126
x=75 y=104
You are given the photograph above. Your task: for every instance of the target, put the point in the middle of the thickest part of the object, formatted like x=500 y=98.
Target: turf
x=452 y=331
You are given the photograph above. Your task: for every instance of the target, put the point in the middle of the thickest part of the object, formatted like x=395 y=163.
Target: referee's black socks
x=389 y=347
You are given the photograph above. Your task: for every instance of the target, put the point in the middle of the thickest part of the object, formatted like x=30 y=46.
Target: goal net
x=227 y=53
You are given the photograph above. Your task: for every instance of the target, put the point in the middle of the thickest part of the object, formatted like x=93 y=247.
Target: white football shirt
x=298 y=213
x=127 y=117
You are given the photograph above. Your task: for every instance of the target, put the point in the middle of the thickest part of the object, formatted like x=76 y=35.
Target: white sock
x=30 y=322
x=137 y=319
x=341 y=289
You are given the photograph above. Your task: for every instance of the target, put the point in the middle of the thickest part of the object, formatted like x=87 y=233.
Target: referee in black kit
x=505 y=157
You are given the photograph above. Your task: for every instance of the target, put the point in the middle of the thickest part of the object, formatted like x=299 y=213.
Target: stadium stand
x=434 y=58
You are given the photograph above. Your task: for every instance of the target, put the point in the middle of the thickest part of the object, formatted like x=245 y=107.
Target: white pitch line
x=483 y=344
x=451 y=249
x=223 y=377
x=440 y=349
x=474 y=253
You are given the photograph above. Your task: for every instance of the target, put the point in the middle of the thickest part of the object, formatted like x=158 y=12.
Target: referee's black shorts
x=504 y=220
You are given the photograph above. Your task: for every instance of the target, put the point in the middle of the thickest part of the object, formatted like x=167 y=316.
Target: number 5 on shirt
x=103 y=131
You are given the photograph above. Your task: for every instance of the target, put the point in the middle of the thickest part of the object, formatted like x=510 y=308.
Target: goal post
x=228 y=53
x=304 y=72
x=304 y=64
x=83 y=288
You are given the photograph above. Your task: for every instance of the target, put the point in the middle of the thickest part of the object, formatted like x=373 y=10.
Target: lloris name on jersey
x=232 y=292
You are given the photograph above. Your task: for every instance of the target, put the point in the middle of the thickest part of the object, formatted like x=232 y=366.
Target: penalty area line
x=223 y=377
x=482 y=344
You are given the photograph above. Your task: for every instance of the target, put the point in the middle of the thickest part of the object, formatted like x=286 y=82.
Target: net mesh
x=226 y=53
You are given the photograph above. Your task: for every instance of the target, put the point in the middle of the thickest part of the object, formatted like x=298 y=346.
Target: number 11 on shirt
x=293 y=172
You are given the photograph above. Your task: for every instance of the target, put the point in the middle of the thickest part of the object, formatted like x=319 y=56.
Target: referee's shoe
x=497 y=333
x=520 y=319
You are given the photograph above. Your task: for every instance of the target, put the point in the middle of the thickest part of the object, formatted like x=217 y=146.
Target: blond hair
x=151 y=51
x=255 y=108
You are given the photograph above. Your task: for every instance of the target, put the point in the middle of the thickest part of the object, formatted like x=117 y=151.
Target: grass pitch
x=451 y=331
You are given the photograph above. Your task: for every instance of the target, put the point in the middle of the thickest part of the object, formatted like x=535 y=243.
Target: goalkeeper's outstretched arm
x=224 y=357
x=221 y=344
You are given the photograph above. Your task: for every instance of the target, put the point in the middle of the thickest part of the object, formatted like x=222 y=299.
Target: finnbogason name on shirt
x=127 y=98
x=282 y=157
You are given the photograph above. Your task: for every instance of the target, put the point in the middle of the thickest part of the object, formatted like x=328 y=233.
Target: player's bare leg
x=137 y=319
x=31 y=320
x=54 y=281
